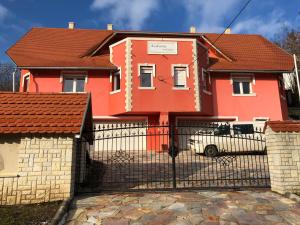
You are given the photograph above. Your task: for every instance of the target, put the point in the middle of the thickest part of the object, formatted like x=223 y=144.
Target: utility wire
x=229 y=25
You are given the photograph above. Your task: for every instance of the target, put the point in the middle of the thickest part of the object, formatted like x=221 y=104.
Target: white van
x=231 y=137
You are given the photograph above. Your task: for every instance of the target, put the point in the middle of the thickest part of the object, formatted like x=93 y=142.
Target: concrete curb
x=292 y=196
x=61 y=214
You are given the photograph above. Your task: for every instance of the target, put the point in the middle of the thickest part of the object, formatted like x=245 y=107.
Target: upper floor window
x=146 y=73
x=116 y=81
x=180 y=74
x=26 y=83
x=74 y=84
x=206 y=81
x=242 y=86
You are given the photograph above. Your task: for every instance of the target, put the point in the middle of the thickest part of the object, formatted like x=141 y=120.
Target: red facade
x=165 y=77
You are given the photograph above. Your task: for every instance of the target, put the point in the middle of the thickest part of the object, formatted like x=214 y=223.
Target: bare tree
x=6 y=77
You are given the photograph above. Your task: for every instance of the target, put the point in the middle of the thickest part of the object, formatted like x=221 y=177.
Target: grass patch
x=35 y=214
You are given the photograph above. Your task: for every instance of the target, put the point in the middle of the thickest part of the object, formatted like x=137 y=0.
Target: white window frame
x=260 y=119
x=152 y=75
x=74 y=77
x=186 y=66
x=111 y=80
x=243 y=77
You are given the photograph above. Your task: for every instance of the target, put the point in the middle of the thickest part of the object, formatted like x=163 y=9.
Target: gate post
x=173 y=153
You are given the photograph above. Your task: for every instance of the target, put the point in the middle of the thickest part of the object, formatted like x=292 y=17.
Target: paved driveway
x=185 y=208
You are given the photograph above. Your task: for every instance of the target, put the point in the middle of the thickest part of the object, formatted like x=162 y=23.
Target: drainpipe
x=14 y=80
x=297 y=76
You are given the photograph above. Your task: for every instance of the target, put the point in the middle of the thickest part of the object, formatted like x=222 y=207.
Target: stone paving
x=185 y=208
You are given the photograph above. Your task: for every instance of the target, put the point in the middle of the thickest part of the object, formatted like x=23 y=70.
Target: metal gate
x=137 y=156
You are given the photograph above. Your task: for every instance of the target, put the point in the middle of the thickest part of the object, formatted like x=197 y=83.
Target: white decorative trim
x=241 y=76
x=111 y=54
x=114 y=92
x=146 y=88
x=244 y=95
x=180 y=65
x=262 y=118
x=128 y=82
x=75 y=73
x=196 y=76
x=23 y=79
x=181 y=88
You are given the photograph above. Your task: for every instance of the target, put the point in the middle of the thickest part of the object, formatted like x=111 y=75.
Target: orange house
x=156 y=76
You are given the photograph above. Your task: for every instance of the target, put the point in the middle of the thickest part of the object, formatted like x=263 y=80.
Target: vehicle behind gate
x=214 y=139
x=139 y=156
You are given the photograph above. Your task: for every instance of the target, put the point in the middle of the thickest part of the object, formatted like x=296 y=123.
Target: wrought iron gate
x=137 y=156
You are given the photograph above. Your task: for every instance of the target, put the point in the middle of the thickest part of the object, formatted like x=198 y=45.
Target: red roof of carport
x=27 y=113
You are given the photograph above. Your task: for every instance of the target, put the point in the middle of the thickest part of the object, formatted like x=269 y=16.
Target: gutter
x=251 y=71
x=71 y=68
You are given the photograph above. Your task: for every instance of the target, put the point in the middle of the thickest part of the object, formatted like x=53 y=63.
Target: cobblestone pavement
x=185 y=208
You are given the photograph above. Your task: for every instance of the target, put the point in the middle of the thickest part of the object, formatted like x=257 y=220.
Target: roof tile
x=284 y=126
x=41 y=112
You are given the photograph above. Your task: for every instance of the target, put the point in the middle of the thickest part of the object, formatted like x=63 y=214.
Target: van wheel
x=211 y=151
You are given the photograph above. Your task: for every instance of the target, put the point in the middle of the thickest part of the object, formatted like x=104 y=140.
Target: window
x=206 y=80
x=243 y=129
x=180 y=74
x=146 y=76
x=26 y=84
x=242 y=86
x=74 y=84
x=116 y=81
x=222 y=130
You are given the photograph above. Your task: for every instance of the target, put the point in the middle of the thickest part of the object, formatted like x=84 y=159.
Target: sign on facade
x=162 y=47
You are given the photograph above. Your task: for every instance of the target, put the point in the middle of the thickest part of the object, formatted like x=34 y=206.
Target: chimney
x=109 y=26
x=228 y=31
x=192 y=29
x=71 y=25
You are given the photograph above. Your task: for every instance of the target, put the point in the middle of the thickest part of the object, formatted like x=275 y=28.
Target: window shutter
x=180 y=77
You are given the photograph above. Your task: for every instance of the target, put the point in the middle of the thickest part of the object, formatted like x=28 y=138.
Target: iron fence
x=138 y=156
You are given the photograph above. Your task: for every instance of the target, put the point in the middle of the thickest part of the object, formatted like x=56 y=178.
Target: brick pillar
x=284 y=159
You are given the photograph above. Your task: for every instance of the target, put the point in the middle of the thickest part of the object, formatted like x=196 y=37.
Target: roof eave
x=250 y=71
x=68 y=67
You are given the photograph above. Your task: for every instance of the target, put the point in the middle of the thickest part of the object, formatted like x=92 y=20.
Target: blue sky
x=265 y=17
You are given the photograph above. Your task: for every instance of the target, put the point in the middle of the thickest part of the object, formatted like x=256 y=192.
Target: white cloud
x=209 y=14
x=3 y=12
x=267 y=26
x=127 y=13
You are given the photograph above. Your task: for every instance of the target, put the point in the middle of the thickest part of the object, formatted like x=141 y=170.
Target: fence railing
x=143 y=156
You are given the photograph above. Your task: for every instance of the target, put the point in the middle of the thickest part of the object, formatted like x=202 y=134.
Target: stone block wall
x=46 y=169
x=284 y=160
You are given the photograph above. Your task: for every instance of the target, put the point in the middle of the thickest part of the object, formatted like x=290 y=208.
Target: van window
x=222 y=130
x=243 y=129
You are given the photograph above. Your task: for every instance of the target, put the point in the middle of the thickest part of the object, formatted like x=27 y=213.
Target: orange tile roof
x=284 y=126
x=42 y=112
x=250 y=52
x=58 y=47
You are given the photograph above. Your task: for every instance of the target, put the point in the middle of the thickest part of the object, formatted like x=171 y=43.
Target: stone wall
x=46 y=169
x=284 y=160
